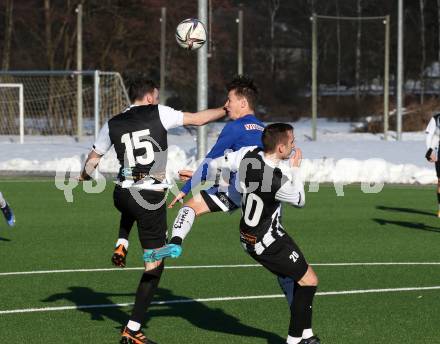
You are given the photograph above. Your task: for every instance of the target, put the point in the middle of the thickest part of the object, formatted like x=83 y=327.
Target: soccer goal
x=12 y=109
x=61 y=103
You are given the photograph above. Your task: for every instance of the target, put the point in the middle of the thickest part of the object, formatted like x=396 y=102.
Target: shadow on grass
x=207 y=318
x=412 y=225
x=407 y=210
x=4 y=239
x=100 y=307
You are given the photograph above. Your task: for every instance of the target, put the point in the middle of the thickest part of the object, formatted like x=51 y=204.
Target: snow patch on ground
x=338 y=156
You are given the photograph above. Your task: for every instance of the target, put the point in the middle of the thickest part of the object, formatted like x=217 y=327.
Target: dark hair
x=274 y=134
x=139 y=85
x=244 y=87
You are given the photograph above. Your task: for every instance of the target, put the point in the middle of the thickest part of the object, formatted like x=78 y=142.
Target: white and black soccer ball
x=191 y=34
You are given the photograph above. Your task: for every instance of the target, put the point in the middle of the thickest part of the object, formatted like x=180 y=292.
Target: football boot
x=119 y=256
x=134 y=337
x=311 y=340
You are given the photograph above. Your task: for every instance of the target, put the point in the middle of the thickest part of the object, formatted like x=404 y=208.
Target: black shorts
x=283 y=258
x=152 y=224
x=437 y=168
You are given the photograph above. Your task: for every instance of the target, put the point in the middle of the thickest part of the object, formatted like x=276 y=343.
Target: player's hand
x=185 y=175
x=83 y=177
x=295 y=160
x=178 y=198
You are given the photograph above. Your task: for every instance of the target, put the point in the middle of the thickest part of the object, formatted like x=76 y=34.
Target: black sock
x=125 y=226
x=438 y=198
x=145 y=292
x=301 y=310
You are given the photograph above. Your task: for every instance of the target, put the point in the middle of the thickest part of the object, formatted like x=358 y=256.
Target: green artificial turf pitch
x=396 y=225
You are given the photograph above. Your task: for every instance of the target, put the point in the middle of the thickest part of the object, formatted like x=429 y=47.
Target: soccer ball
x=191 y=34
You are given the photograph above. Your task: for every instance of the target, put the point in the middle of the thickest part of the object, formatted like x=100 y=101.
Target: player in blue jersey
x=7 y=211
x=244 y=130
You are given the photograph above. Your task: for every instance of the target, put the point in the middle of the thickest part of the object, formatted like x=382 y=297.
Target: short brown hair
x=274 y=134
x=244 y=86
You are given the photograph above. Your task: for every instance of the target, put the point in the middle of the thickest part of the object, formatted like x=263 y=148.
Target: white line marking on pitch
x=213 y=299
x=207 y=267
x=128 y=269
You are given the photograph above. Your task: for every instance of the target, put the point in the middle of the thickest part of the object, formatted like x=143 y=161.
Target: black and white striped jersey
x=263 y=185
x=432 y=132
x=139 y=136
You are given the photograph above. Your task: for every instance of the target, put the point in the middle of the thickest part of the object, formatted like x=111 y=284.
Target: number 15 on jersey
x=133 y=141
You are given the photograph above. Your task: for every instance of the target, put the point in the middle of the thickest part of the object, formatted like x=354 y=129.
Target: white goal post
x=20 y=105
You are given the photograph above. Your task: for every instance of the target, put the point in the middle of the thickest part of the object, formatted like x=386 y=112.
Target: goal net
x=12 y=108
x=60 y=102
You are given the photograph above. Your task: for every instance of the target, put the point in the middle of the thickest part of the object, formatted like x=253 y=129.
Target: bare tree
x=8 y=34
x=438 y=28
x=422 y=40
x=119 y=31
x=338 y=38
x=273 y=5
x=358 y=49
x=53 y=42
x=69 y=35
x=48 y=34
x=51 y=22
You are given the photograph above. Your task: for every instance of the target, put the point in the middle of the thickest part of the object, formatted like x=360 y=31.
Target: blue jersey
x=243 y=132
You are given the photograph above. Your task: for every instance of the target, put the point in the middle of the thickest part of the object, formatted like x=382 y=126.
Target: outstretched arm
x=230 y=161
x=224 y=142
x=203 y=117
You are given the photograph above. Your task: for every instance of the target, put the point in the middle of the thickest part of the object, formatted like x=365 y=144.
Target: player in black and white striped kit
x=139 y=136
x=265 y=180
x=432 y=145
